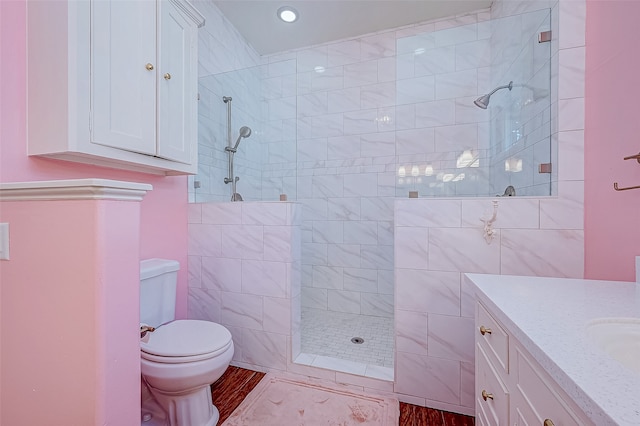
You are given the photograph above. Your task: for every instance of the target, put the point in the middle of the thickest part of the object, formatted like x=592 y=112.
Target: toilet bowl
x=179 y=359
x=179 y=362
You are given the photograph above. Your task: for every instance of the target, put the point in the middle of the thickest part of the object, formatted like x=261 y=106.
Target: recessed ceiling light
x=288 y=14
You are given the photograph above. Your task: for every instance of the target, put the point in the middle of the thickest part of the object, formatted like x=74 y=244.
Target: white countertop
x=549 y=317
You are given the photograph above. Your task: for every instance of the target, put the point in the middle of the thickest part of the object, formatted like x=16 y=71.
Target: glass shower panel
x=448 y=146
x=263 y=99
x=279 y=108
x=520 y=124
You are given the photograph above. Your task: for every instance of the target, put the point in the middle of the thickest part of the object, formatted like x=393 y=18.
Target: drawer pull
x=547 y=422
x=484 y=330
x=486 y=395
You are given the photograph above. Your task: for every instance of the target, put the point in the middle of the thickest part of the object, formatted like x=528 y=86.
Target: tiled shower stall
x=346 y=130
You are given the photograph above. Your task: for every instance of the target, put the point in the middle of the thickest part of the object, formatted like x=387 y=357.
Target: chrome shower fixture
x=483 y=101
x=245 y=132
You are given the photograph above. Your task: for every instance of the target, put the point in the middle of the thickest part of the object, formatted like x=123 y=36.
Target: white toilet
x=180 y=359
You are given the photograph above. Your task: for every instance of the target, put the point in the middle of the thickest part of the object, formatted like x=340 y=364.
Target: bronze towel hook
x=636 y=157
x=615 y=186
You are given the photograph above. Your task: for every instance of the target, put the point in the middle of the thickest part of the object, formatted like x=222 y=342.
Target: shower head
x=245 y=132
x=483 y=101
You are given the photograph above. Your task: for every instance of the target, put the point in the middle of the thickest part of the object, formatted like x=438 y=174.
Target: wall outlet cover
x=4 y=241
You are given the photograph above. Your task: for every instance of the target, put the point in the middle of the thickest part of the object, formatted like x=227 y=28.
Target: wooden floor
x=234 y=385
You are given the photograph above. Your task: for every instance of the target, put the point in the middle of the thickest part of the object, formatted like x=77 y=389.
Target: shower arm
x=506 y=86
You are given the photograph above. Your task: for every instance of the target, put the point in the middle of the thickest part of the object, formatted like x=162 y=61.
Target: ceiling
x=322 y=21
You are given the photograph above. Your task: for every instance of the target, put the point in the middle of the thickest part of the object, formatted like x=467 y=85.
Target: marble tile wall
x=335 y=127
x=364 y=106
x=441 y=68
x=243 y=86
x=244 y=273
x=279 y=106
x=227 y=67
x=438 y=240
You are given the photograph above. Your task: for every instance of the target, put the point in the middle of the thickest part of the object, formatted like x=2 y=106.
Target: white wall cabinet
x=114 y=83
x=511 y=387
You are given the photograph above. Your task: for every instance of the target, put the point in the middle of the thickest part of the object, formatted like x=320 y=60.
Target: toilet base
x=192 y=408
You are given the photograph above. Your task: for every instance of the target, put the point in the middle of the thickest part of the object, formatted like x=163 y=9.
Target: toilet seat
x=183 y=341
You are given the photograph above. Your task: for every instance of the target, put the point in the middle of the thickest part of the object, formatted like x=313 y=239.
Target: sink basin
x=619 y=338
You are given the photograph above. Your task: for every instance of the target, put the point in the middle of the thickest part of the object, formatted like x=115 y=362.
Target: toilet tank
x=158 y=280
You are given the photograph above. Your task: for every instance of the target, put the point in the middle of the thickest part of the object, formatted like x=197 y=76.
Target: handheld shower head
x=483 y=101
x=245 y=132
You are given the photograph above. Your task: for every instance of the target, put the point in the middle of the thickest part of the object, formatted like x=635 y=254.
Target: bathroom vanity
x=552 y=351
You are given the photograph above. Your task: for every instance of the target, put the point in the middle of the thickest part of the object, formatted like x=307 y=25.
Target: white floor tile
x=328 y=334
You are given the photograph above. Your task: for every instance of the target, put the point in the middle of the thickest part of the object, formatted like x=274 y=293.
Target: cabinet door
x=536 y=397
x=123 y=74
x=177 y=85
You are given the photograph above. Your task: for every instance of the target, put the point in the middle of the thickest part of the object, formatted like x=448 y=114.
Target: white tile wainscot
x=436 y=242
x=244 y=273
x=548 y=317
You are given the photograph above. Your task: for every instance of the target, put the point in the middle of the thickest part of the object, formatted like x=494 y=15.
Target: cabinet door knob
x=486 y=395
x=149 y=66
x=484 y=330
x=167 y=76
x=547 y=422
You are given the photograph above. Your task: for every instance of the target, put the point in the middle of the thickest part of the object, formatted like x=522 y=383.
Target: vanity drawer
x=492 y=338
x=492 y=396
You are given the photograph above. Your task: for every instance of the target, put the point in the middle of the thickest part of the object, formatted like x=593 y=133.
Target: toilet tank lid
x=154 y=267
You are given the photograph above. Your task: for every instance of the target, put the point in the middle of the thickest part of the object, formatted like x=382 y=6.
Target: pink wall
x=612 y=131
x=25 y=333
x=163 y=233
x=69 y=337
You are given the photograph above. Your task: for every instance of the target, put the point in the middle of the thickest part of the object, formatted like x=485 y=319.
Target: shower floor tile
x=328 y=335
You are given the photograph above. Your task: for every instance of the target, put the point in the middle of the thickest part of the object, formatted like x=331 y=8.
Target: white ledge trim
x=75 y=189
